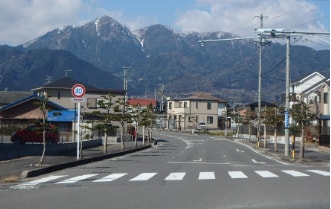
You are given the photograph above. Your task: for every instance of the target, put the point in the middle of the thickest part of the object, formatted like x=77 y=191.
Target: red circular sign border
x=78 y=85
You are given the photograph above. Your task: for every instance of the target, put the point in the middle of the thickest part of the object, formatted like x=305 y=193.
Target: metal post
x=78 y=128
x=287 y=96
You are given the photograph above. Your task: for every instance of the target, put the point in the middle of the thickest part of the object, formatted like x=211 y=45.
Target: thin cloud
x=241 y=17
x=23 y=20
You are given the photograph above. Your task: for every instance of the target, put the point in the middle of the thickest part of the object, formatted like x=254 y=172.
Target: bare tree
x=43 y=99
x=302 y=116
x=121 y=116
x=274 y=119
x=147 y=118
x=107 y=105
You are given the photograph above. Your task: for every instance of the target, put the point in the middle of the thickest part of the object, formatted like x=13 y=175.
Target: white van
x=201 y=125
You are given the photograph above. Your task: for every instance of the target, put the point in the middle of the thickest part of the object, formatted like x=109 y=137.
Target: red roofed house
x=141 y=102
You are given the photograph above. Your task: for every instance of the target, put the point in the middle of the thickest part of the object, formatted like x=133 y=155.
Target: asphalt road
x=183 y=171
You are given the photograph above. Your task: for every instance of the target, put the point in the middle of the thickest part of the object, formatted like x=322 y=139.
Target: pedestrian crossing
x=173 y=176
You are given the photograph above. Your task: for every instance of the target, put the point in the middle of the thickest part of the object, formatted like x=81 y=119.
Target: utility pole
x=260 y=84
x=287 y=96
x=281 y=33
x=125 y=82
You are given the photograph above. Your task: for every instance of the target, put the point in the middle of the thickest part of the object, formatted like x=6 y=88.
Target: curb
x=52 y=168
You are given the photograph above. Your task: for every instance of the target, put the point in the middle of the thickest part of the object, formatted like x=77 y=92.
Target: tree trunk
x=135 y=137
x=105 y=142
x=41 y=161
x=143 y=135
x=275 y=143
x=265 y=136
x=302 y=145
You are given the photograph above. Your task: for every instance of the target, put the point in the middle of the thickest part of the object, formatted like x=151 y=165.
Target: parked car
x=34 y=133
x=201 y=125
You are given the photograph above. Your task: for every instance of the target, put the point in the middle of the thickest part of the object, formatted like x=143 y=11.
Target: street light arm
x=202 y=42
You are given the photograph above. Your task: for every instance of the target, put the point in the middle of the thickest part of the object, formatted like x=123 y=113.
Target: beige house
x=60 y=93
x=187 y=113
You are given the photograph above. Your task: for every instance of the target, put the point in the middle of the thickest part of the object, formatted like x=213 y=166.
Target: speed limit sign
x=78 y=90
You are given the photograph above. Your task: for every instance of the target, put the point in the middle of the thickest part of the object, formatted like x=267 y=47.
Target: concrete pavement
x=14 y=169
x=23 y=167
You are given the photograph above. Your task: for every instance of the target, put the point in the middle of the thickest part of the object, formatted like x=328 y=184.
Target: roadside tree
x=302 y=117
x=43 y=99
x=274 y=118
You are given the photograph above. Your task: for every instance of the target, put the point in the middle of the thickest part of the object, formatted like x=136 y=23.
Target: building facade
x=187 y=113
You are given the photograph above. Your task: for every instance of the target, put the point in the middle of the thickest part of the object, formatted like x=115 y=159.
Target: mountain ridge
x=159 y=56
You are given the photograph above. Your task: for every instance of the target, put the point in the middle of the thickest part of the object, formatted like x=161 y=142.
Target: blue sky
x=36 y=17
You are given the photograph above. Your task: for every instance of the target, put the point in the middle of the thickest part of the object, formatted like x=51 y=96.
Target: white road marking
x=266 y=174
x=237 y=174
x=323 y=173
x=76 y=179
x=111 y=177
x=31 y=184
x=206 y=175
x=207 y=163
x=295 y=173
x=143 y=177
x=254 y=161
x=198 y=160
x=175 y=176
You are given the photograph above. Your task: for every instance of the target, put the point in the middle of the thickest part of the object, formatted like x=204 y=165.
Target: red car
x=35 y=134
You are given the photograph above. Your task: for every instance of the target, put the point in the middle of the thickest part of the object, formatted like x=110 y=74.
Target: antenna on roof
x=66 y=72
x=48 y=79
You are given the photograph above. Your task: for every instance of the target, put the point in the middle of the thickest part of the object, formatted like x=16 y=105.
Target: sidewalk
x=313 y=153
x=13 y=170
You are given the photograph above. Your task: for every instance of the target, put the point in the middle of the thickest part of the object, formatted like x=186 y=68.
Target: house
x=7 y=97
x=323 y=113
x=314 y=90
x=305 y=88
x=141 y=102
x=25 y=111
x=59 y=102
x=60 y=92
x=187 y=113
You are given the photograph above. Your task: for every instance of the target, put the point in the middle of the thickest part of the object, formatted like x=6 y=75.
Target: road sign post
x=78 y=91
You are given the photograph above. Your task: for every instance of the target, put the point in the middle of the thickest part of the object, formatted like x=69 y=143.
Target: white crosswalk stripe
x=143 y=177
x=237 y=174
x=174 y=176
x=266 y=174
x=295 y=173
x=206 y=175
x=34 y=183
x=111 y=177
x=323 y=173
x=76 y=179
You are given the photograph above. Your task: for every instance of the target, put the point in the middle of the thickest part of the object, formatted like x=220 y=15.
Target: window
x=326 y=98
x=170 y=105
x=210 y=119
x=185 y=104
x=180 y=104
x=91 y=103
x=197 y=105
x=58 y=95
x=208 y=105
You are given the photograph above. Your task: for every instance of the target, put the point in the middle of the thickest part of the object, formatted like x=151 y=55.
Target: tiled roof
x=31 y=97
x=142 y=102
x=68 y=83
